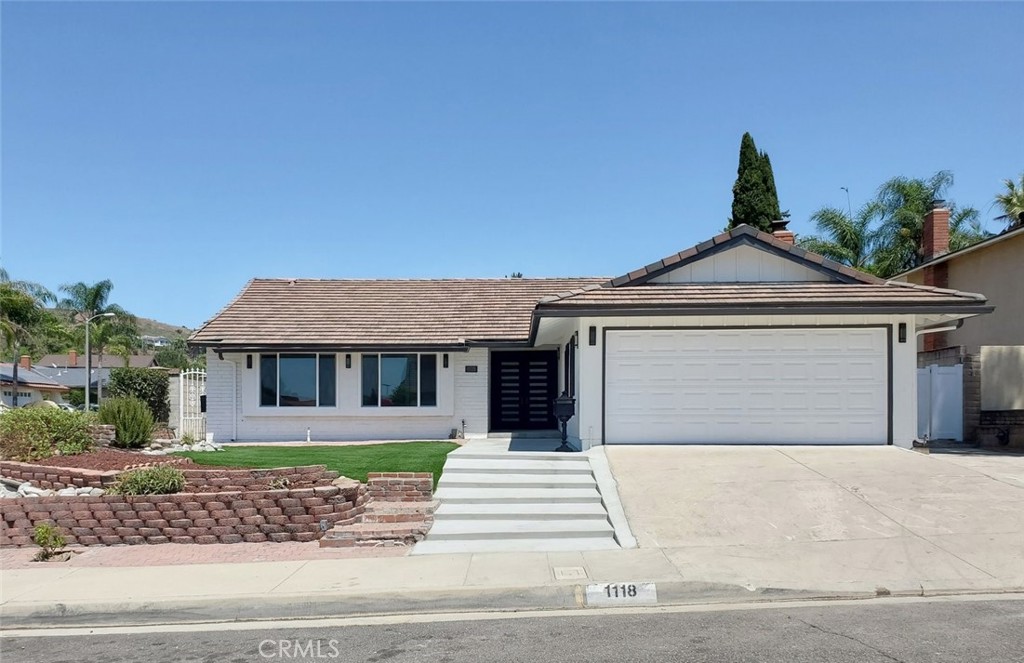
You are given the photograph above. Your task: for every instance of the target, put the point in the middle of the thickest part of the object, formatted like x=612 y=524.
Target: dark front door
x=523 y=390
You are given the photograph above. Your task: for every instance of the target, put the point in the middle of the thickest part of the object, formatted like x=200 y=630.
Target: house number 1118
x=620 y=591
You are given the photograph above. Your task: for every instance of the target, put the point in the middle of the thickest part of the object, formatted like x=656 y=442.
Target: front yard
x=351 y=461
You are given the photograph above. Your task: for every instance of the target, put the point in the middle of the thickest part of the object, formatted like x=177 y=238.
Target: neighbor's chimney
x=935 y=244
x=73 y=358
x=935 y=233
x=779 y=231
x=26 y=362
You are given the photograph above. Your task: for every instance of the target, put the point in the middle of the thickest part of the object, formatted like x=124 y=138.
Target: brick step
x=398 y=512
x=373 y=534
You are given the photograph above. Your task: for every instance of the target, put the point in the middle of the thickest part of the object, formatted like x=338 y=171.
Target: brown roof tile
x=385 y=312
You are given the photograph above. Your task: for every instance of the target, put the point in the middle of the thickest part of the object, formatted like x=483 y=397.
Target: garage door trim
x=604 y=358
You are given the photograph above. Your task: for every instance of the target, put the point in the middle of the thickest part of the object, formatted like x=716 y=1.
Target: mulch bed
x=110 y=459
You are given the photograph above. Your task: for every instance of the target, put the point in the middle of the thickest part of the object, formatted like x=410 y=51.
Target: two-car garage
x=778 y=385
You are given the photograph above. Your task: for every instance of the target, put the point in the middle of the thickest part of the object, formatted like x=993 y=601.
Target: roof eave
x=756 y=309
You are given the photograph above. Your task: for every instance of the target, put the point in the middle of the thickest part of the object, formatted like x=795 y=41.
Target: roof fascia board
x=628 y=310
x=331 y=347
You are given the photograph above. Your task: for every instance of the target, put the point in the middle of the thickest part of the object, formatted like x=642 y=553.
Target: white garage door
x=817 y=386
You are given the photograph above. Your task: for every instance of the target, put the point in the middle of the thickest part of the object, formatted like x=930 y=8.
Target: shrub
x=49 y=538
x=147 y=384
x=131 y=419
x=160 y=480
x=28 y=434
x=76 y=396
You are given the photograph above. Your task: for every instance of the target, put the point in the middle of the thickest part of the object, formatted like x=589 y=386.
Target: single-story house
x=69 y=369
x=983 y=398
x=744 y=338
x=31 y=385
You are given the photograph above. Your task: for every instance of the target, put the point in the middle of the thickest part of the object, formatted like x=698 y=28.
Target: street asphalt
x=908 y=630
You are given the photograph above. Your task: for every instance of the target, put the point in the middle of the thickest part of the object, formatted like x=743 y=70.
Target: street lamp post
x=88 y=357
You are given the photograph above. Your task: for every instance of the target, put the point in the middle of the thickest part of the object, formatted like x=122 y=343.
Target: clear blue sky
x=181 y=149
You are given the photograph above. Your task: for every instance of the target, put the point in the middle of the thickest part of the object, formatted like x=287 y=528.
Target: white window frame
x=419 y=380
x=316 y=360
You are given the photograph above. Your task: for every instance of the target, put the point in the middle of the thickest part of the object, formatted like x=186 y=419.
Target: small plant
x=131 y=419
x=278 y=483
x=49 y=539
x=188 y=439
x=160 y=480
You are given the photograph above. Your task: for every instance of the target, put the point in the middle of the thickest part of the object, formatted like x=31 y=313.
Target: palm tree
x=902 y=204
x=21 y=308
x=1011 y=203
x=84 y=301
x=842 y=238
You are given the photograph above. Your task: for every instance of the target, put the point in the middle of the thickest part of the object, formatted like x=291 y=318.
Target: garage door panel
x=749 y=386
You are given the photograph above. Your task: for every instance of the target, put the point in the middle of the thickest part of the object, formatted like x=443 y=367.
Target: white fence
x=940 y=403
x=191 y=404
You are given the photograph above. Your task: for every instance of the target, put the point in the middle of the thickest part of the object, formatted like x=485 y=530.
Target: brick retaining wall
x=400 y=486
x=212 y=517
x=55 y=478
x=306 y=476
x=102 y=434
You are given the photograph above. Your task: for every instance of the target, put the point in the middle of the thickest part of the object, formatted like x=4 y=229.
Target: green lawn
x=352 y=461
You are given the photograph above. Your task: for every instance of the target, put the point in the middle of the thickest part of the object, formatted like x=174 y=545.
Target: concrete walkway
x=713 y=525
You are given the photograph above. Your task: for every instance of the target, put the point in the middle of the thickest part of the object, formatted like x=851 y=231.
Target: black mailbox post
x=565 y=409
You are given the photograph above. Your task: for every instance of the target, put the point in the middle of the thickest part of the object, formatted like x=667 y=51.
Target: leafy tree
x=1011 y=202
x=755 y=201
x=149 y=385
x=841 y=238
x=174 y=355
x=902 y=203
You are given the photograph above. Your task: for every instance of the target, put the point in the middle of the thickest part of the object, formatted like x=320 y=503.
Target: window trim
x=277 y=387
x=419 y=380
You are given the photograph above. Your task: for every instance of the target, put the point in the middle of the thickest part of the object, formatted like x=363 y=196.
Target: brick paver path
x=172 y=554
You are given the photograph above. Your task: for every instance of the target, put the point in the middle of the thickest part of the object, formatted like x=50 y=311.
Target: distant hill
x=149 y=327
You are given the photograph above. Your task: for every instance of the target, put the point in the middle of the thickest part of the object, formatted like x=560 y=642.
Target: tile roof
x=109 y=361
x=785 y=295
x=303 y=312
x=29 y=378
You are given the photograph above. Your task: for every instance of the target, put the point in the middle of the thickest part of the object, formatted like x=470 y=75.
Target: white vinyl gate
x=940 y=403
x=191 y=404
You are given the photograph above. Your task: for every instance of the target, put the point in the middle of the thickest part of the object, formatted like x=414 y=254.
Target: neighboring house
x=156 y=341
x=31 y=386
x=744 y=338
x=69 y=369
x=989 y=350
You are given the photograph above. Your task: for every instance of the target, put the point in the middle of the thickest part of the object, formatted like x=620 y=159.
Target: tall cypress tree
x=755 y=201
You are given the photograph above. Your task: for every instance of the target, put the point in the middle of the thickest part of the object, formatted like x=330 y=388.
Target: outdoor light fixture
x=903 y=332
x=593 y=335
x=444 y=360
x=248 y=361
x=348 y=361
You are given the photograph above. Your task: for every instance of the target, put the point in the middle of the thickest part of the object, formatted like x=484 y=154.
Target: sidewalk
x=310 y=584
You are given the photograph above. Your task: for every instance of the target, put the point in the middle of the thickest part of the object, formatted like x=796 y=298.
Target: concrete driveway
x=827 y=517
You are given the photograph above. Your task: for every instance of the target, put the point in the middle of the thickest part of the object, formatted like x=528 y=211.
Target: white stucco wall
x=590 y=362
x=234 y=412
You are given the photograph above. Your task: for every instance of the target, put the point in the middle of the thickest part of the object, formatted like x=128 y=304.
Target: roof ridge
x=482 y=279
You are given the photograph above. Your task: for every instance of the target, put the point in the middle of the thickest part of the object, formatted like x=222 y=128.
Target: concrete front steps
x=517 y=502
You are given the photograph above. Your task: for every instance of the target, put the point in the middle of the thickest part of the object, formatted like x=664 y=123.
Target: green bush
x=49 y=538
x=28 y=434
x=160 y=480
x=147 y=384
x=76 y=396
x=131 y=419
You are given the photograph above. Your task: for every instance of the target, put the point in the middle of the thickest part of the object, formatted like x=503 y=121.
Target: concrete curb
x=214 y=609
x=609 y=488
